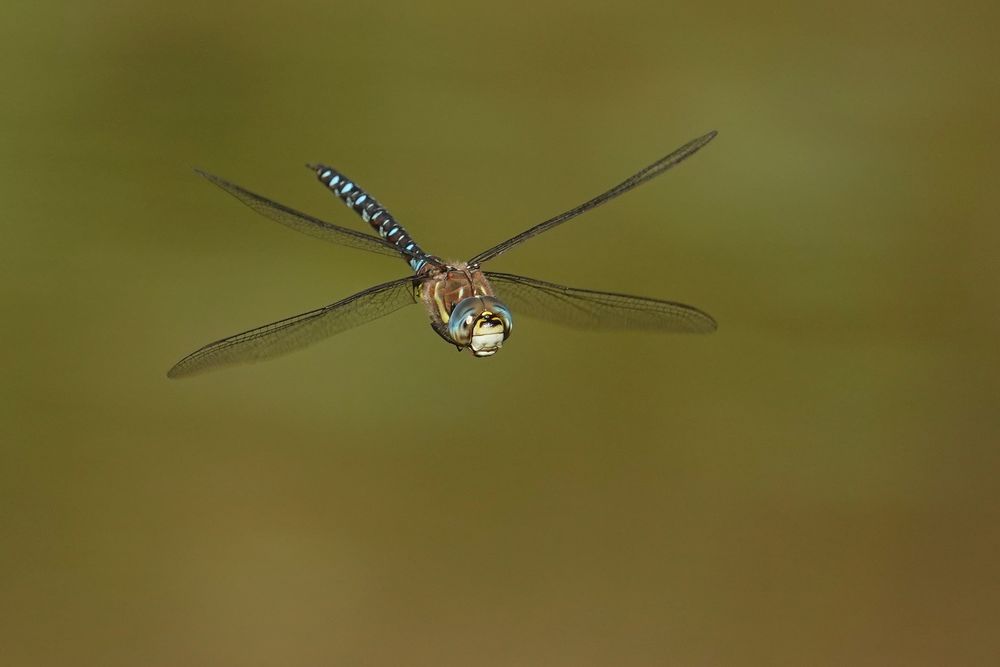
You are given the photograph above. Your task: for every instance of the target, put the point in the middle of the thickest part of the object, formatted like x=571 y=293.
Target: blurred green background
x=815 y=484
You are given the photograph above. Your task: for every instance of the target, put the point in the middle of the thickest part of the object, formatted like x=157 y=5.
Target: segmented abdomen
x=373 y=213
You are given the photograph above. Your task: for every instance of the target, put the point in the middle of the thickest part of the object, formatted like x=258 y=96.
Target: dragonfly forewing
x=652 y=171
x=294 y=333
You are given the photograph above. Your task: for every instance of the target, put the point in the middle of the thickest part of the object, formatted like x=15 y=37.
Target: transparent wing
x=296 y=332
x=587 y=309
x=306 y=224
x=650 y=172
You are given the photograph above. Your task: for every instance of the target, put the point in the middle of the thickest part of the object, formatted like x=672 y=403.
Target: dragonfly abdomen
x=373 y=213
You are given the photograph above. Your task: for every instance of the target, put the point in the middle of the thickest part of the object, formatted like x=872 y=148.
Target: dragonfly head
x=480 y=323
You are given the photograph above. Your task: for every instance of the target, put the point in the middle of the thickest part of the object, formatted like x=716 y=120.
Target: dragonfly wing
x=588 y=309
x=296 y=332
x=650 y=172
x=306 y=224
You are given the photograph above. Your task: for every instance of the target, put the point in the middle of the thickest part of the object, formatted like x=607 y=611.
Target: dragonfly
x=468 y=307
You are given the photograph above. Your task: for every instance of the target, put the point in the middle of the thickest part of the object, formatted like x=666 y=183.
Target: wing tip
x=210 y=177
x=699 y=143
x=702 y=323
x=711 y=326
x=177 y=371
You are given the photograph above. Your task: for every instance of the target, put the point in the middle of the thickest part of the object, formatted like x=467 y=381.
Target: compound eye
x=464 y=317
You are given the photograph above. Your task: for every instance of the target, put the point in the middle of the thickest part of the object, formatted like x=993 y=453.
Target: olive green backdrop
x=814 y=484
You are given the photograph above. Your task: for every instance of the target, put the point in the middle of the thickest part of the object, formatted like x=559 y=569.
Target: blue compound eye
x=503 y=314
x=463 y=320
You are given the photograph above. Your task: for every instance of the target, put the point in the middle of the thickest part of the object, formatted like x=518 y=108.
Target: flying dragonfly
x=468 y=307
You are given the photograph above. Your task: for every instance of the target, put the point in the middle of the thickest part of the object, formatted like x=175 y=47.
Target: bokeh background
x=814 y=484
